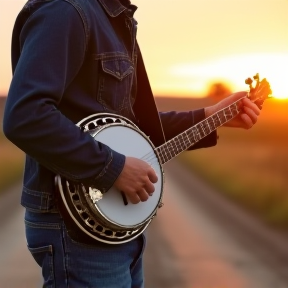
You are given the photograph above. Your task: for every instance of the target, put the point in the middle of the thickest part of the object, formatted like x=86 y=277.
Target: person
x=71 y=59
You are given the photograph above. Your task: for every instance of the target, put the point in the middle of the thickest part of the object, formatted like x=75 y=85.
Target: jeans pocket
x=44 y=258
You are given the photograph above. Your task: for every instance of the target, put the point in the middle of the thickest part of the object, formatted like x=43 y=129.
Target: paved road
x=17 y=268
x=204 y=241
x=187 y=245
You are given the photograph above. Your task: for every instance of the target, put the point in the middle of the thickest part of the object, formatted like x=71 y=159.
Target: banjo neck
x=194 y=134
x=110 y=219
x=258 y=93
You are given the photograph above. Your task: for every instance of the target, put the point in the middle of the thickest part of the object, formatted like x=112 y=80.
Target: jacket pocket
x=115 y=82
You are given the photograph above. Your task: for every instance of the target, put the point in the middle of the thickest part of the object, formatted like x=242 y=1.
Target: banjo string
x=151 y=158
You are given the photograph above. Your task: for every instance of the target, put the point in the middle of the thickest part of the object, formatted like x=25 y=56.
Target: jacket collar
x=113 y=7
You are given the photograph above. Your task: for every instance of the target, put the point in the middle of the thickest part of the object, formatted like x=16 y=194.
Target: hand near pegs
x=260 y=91
x=259 y=103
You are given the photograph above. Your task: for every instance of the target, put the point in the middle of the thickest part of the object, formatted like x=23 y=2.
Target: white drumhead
x=129 y=142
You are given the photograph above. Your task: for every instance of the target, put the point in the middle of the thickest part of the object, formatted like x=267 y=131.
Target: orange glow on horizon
x=207 y=42
x=232 y=71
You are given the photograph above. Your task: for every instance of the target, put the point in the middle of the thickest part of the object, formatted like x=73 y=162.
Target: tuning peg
x=256 y=77
x=248 y=81
x=259 y=103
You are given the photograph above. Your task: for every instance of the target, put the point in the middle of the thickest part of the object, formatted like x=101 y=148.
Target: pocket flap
x=118 y=68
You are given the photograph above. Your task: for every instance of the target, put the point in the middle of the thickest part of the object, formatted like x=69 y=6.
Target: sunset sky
x=188 y=44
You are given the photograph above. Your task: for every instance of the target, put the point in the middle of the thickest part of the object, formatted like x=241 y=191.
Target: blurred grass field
x=252 y=174
x=250 y=167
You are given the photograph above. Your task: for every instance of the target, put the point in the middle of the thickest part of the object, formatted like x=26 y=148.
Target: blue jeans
x=66 y=263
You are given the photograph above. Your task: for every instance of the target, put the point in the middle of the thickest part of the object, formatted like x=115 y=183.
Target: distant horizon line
x=160 y=96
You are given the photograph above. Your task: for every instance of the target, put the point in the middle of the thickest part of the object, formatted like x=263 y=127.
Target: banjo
x=109 y=217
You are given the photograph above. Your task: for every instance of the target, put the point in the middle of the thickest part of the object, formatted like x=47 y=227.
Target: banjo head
x=130 y=142
x=111 y=218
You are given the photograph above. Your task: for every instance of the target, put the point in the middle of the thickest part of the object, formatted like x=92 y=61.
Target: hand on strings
x=136 y=180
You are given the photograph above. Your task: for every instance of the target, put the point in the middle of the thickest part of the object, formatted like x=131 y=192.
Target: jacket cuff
x=105 y=180
x=208 y=141
x=198 y=115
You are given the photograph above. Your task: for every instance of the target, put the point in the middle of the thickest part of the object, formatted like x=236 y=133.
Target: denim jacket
x=70 y=59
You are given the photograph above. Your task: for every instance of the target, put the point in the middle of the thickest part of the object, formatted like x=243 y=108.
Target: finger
x=259 y=103
x=143 y=195
x=149 y=187
x=152 y=176
x=249 y=104
x=247 y=121
x=133 y=198
x=251 y=114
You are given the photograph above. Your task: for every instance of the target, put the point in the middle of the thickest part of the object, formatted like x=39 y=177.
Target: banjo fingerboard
x=191 y=136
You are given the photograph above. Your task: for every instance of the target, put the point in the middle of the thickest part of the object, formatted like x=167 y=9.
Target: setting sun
x=233 y=71
x=214 y=41
x=197 y=43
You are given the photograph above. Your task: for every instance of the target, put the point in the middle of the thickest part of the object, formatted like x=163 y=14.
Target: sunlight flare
x=235 y=69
